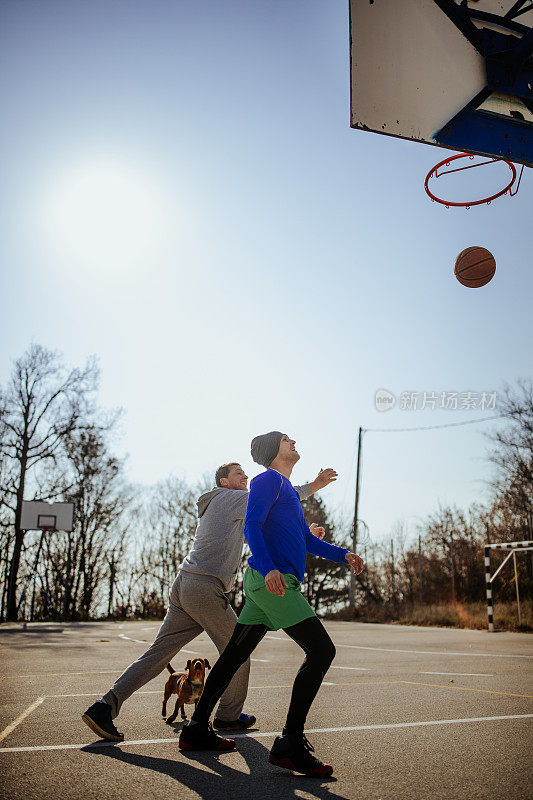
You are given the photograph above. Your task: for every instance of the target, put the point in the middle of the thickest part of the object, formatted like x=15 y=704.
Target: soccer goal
x=513 y=547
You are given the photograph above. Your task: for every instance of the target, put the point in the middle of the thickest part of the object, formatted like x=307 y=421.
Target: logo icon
x=384 y=400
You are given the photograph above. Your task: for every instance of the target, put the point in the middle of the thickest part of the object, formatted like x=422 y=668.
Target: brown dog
x=187 y=685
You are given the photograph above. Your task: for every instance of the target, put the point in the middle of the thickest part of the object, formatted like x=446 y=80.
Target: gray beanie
x=265 y=448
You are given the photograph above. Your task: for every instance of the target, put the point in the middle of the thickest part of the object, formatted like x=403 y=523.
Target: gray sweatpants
x=197 y=603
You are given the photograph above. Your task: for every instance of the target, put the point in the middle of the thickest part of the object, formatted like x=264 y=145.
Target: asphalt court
x=404 y=712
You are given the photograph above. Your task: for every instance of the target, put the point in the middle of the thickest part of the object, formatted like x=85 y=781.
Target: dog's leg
x=171 y=719
x=168 y=693
x=183 y=714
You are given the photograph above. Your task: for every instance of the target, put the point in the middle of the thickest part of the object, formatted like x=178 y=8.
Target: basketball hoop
x=434 y=173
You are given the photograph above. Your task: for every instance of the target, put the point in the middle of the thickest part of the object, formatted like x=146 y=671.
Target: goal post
x=512 y=547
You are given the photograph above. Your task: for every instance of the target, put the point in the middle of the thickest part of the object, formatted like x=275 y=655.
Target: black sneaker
x=98 y=718
x=244 y=721
x=202 y=737
x=294 y=752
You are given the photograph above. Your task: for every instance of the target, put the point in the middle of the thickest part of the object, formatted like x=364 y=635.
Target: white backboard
x=39 y=515
x=431 y=71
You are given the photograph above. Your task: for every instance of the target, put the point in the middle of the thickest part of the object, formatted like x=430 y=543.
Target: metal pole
x=452 y=567
x=392 y=570
x=530 y=533
x=354 y=532
x=487 y=529
x=31 y=575
x=489 y=589
x=517 y=595
x=420 y=568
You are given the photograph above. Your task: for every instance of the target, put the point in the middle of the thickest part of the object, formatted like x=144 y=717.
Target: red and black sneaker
x=203 y=737
x=294 y=751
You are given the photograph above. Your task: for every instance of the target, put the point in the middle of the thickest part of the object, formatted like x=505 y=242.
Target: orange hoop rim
x=433 y=173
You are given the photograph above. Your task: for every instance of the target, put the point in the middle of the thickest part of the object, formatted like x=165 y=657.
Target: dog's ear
x=188 y=664
x=207 y=664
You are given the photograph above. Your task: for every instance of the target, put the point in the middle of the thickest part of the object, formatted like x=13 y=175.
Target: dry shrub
x=449 y=615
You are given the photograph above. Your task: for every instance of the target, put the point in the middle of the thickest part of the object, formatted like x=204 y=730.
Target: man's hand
x=324 y=477
x=317 y=530
x=275 y=582
x=355 y=562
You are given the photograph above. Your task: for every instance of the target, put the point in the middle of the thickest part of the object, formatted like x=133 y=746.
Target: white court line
x=430 y=652
x=261 y=659
x=58 y=674
x=190 y=652
x=474 y=674
x=275 y=637
x=18 y=720
x=48 y=644
x=174 y=740
x=158 y=691
x=360 y=669
x=139 y=641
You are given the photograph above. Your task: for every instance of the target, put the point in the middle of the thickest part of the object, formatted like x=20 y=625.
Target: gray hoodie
x=217 y=546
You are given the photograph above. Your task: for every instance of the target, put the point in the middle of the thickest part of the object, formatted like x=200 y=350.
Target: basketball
x=474 y=267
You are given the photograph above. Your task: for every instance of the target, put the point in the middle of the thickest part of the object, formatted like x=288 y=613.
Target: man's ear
x=206 y=662
x=224 y=485
x=188 y=664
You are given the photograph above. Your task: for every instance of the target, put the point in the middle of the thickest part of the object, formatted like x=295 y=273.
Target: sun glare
x=105 y=215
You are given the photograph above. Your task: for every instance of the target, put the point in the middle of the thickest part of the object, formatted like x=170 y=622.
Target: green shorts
x=264 y=608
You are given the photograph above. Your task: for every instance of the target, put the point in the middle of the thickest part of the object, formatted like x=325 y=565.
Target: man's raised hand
x=356 y=563
x=275 y=582
x=324 y=477
x=317 y=530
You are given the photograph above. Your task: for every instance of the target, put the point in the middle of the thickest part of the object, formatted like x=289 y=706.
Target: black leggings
x=319 y=650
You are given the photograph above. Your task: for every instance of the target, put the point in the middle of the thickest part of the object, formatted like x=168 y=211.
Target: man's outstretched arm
x=324 y=477
x=317 y=547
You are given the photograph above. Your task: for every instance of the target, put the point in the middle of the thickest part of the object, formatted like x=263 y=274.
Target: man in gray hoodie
x=199 y=601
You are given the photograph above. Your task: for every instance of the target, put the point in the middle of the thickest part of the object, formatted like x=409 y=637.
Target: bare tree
x=325 y=581
x=512 y=455
x=170 y=524
x=6 y=515
x=97 y=543
x=43 y=403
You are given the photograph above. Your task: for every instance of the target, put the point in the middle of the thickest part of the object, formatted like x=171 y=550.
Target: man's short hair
x=223 y=471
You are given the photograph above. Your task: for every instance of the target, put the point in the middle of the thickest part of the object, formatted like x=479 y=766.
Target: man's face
x=237 y=479
x=287 y=449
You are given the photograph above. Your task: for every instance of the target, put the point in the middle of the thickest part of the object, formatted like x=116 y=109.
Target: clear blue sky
x=183 y=196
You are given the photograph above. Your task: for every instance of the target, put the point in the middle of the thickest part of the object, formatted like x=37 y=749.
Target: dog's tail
x=169 y=667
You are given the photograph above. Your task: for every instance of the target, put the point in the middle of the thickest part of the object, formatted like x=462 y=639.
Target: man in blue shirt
x=279 y=539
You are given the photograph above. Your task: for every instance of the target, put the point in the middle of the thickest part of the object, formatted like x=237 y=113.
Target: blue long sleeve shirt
x=276 y=530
